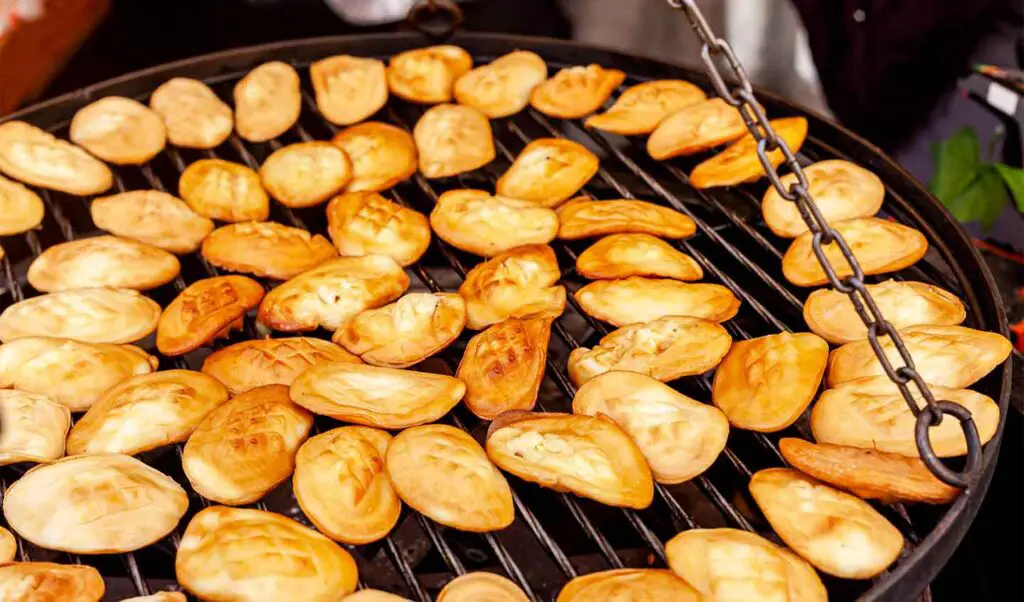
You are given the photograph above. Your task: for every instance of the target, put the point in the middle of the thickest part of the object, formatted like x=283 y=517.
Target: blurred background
x=935 y=83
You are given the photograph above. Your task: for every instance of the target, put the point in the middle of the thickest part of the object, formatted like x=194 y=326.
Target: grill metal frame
x=419 y=554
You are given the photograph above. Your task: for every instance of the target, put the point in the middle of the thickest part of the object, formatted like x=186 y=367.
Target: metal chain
x=741 y=96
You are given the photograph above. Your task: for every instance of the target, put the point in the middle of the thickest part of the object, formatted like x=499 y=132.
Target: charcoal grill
x=555 y=536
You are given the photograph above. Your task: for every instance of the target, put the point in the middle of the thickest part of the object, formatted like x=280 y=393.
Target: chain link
x=741 y=96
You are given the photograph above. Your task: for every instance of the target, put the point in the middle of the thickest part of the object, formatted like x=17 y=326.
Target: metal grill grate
x=555 y=536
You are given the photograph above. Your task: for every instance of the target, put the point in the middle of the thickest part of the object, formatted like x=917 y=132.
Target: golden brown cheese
x=20 y=208
x=119 y=130
x=37 y=158
x=373 y=396
x=306 y=173
x=640 y=108
x=639 y=299
x=382 y=155
x=589 y=456
x=679 y=436
x=576 y=91
x=696 y=128
x=586 y=218
x=207 y=309
x=266 y=249
x=548 y=171
x=475 y=221
x=159 y=597
x=426 y=75
x=373 y=595
x=664 y=349
x=366 y=223
x=503 y=366
x=34 y=428
x=193 y=114
x=739 y=162
x=474 y=495
x=452 y=139
x=224 y=191
x=503 y=86
x=830 y=314
x=8 y=547
x=102 y=261
x=91 y=315
x=267 y=101
x=333 y=292
x=625 y=255
x=146 y=412
x=841 y=190
x=246 y=447
x=516 y=284
x=50 y=582
x=629 y=585
x=341 y=485
x=348 y=88
x=765 y=384
x=262 y=362
x=94 y=504
x=880 y=246
x=481 y=586
x=152 y=217
x=250 y=555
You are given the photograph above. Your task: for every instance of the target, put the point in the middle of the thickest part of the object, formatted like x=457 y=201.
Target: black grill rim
x=912 y=574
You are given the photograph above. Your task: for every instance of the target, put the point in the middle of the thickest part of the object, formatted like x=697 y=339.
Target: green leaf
x=982 y=200
x=1014 y=179
x=957 y=162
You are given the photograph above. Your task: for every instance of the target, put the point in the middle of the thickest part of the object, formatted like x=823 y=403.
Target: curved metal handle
x=926 y=420
x=437 y=19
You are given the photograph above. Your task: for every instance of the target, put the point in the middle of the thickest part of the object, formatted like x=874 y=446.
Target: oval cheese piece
x=348 y=88
x=366 y=223
x=20 y=208
x=639 y=299
x=373 y=595
x=37 y=158
x=519 y=283
x=589 y=456
x=625 y=255
x=225 y=191
x=306 y=174
x=102 y=261
x=481 y=586
x=382 y=155
x=452 y=139
x=73 y=373
x=841 y=190
x=262 y=362
x=246 y=447
x=119 y=130
x=664 y=349
x=92 y=315
x=729 y=565
x=870 y=413
x=880 y=246
x=628 y=585
x=153 y=217
x=50 y=582
x=34 y=428
x=207 y=309
x=426 y=75
x=159 y=597
x=948 y=356
x=475 y=221
x=640 y=108
x=250 y=555
x=830 y=314
x=503 y=366
x=373 y=396
x=586 y=218
x=548 y=171
x=405 y=332
x=475 y=496
x=341 y=485
x=266 y=249
x=696 y=128
x=765 y=384
x=195 y=117
x=739 y=162
x=95 y=504
x=840 y=534
x=8 y=548
x=576 y=91
x=679 y=436
x=503 y=86
x=267 y=101
x=333 y=292
x=146 y=412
